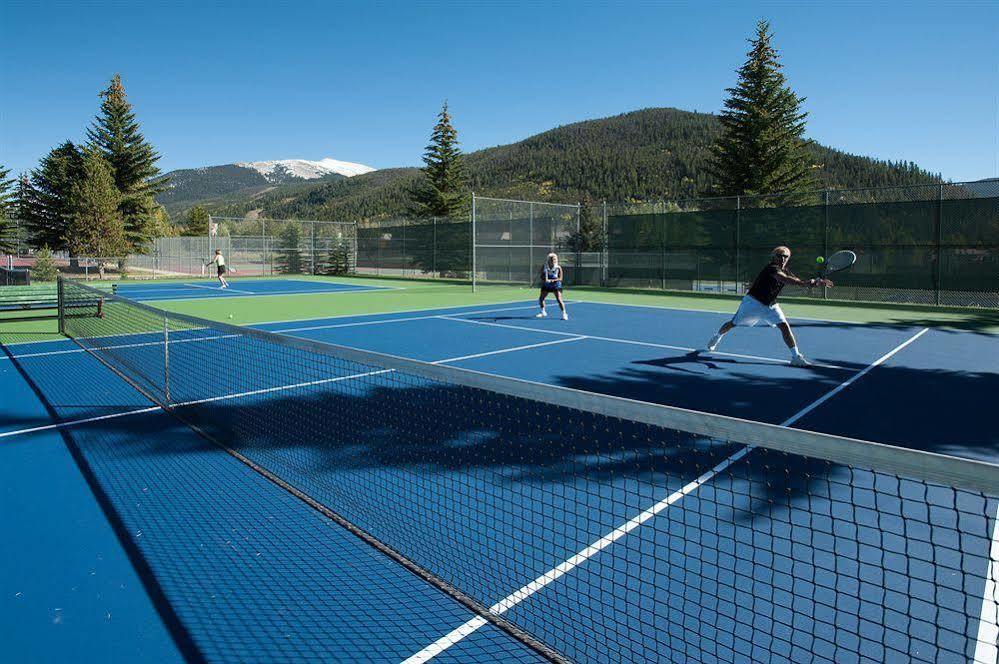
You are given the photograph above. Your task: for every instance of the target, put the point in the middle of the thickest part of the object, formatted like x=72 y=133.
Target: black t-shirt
x=767 y=286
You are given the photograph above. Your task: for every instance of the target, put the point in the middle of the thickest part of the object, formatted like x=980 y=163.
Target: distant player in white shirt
x=760 y=303
x=551 y=282
x=218 y=260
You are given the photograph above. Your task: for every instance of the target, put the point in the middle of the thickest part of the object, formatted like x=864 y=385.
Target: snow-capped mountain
x=307 y=170
x=211 y=185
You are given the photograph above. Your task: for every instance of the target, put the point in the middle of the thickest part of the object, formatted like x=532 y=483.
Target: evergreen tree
x=116 y=134
x=443 y=189
x=289 y=256
x=590 y=236
x=7 y=193
x=196 y=224
x=45 y=268
x=762 y=148
x=44 y=201
x=160 y=225
x=96 y=227
x=8 y=243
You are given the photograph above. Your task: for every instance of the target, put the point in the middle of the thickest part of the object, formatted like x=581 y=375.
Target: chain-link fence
x=934 y=244
x=284 y=246
x=931 y=244
x=513 y=239
x=437 y=248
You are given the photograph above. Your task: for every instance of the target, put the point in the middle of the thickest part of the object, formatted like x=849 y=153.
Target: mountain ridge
x=647 y=154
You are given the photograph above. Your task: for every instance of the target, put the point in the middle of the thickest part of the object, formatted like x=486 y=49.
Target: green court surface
x=388 y=295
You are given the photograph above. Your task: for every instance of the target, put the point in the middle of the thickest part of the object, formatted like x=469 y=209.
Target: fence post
x=312 y=242
x=433 y=264
x=662 y=246
x=938 y=273
x=825 y=239
x=738 y=243
x=509 y=248
x=474 y=282
x=605 y=249
x=530 y=229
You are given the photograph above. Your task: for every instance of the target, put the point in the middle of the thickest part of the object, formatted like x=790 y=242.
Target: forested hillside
x=657 y=153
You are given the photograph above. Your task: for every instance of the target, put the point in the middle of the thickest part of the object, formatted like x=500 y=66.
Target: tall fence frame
x=272 y=249
x=522 y=232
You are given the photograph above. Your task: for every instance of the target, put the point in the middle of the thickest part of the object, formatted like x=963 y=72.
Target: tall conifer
x=96 y=227
x=44 y=198
x=115 y=132
x=443 y=190
x=8 y=242
x=762 y=146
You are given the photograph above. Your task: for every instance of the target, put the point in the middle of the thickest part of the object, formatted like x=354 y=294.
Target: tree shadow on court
x=347 y=431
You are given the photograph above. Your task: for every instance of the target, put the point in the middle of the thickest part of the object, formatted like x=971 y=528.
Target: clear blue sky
x=220 y=82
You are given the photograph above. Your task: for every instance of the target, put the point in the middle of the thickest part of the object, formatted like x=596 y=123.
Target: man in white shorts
x=760 y=303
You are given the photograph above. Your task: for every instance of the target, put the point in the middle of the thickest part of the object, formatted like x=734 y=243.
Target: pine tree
x=116 y=134
x=44 y=199
x=8 y=243
x=96 y=227
x=761 y=149
x=45 y=268
x=443 y=189
x=7 y=193
x=196 y=224
x=289 y=257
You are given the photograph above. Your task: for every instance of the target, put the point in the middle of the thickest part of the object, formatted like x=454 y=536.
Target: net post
x=474 y=281
x=166 y=357
x=61 y=304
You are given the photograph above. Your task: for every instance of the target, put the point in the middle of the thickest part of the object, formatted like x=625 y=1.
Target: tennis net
x=592 y=528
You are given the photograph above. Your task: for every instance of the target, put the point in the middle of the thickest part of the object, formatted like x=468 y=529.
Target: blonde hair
x=780 y=249
x=551 y=256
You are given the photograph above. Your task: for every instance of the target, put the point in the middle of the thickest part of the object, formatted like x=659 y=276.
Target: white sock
x=795 y=352
x=715 y=340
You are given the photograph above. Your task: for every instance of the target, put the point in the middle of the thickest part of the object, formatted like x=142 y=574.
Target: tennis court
x=192 y=290
x=470 y=483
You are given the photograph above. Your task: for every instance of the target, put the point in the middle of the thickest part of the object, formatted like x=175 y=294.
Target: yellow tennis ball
x=820 y=260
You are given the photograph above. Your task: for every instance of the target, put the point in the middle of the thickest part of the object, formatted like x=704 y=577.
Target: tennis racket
x=837 y=262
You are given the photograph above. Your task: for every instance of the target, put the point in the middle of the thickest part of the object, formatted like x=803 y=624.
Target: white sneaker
x=565 y=316
x=800 y=361
x=542 y=314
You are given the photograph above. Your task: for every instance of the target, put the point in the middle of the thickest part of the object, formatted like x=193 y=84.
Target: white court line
x=987 y=650
x=456 y=317
x=499 y=608
x=265 y=390
x=216 y=288
x=388 y=320
x=337 y=291
x=62 y=425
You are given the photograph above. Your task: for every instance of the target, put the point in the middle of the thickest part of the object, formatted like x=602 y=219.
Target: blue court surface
x=136 y=539
x=209 y=288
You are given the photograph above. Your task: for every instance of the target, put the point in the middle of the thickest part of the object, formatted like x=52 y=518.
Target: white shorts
x=752 y=312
